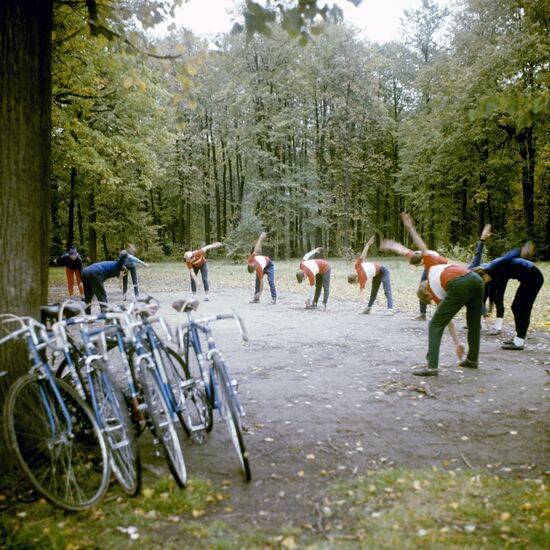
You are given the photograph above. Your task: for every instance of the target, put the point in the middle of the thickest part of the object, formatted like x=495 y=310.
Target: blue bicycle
x=51 y=431
x=206 y=366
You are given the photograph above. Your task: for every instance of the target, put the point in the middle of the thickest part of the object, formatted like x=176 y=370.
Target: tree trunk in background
x=92 y=235
x=70 y=221
x=80 y=226
x=25 y=152
x=527 y=153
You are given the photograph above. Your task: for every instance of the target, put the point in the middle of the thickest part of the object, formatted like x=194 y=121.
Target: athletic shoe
x=273 y=301
x=507 y=342
x=254 y=300
x=389 y=312
x=425 y=372
x=511 y=345
x=421 y=317
x=206 y=299
x=493 y=332
x=366 y=310
x=124 y=297
x=312 y=306
x=467 y=364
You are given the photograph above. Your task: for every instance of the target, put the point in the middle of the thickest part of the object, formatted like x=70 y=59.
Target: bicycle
x=206 y=364
x=50 y=430
x=89 y=374
x=149 y=371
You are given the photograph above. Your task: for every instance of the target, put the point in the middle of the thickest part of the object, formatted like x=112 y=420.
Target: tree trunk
x=92 y=234
x=527 y=151
x=70 y=221
x=25 y=153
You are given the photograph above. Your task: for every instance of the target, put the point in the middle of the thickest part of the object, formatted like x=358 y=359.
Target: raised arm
x=409 y=224
x=366 y=249
x=312 y=253
x=394 y=246
x=211 y=246
x=259 y=242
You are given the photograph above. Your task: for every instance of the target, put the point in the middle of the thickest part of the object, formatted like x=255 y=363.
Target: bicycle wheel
x=229 y=411
x=195 y=371
x=162 y=422
x=114 y=420
x=190 y=395
x=65 y=459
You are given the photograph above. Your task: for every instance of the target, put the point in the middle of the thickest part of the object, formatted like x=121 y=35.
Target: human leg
x=88 y=291
x=376 y=281
x=79 y=283
x=421 y=305
x=70 y=280
x=318 y=287
x=443 y=315
x=270 y=272
x=524 y=300
x=386 y=284
x=474 y=308
x=326 y=287
x=204 y=276
x=133 y=273
x=193 y=283
x=124 y=285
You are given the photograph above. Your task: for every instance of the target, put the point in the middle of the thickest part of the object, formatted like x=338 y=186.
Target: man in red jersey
x=451 y=286
x=262 y=265
x=379 y=275
x=318 y=274
x=196 y=261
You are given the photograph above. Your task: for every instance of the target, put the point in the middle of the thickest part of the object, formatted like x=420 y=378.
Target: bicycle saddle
x=51 y=312
x=185 y=306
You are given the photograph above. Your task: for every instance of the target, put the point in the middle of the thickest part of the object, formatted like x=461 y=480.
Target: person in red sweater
x=318 y=274
x=262 y=265
x=379 y=275
x=196 y=261
x=451 y=286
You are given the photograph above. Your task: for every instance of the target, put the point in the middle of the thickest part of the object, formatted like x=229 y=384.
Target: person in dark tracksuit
x=73 y=268
x=95 y=275
x=514 y=266
x=318 y=274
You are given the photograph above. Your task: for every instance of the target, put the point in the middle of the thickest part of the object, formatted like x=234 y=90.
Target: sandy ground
x=329 y=394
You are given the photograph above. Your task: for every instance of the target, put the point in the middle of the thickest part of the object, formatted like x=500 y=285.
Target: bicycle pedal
x=187 y=384
x=197 y=428
x=235 y=385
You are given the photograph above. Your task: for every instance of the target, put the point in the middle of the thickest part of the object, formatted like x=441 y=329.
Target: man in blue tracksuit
x=96 y=274
x=514 y=266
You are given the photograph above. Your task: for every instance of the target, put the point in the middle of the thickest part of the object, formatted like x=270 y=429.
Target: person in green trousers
x=451 y=286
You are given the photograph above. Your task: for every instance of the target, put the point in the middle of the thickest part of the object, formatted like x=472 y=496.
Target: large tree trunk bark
x=25 y=129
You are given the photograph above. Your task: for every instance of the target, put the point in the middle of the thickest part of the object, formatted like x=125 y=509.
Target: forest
x=318 y=138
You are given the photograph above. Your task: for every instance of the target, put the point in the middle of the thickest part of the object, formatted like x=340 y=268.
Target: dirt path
x=330 y=394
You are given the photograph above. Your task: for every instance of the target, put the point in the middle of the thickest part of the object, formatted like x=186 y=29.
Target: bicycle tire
x=195 y=412
x=195 y=371
x=230 y=413
x=69 y=469
x=162 y=424
x=117 y=428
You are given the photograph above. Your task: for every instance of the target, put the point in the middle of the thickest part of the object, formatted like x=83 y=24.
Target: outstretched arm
x=394 y=246
x=366 y=249
x=258 y=245
x=409 y=224
x=211 y=246
x=312 y=253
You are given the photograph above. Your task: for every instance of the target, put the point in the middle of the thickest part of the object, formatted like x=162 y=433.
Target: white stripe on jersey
x=369 y=268
x=311 y=265
x=434 y=278
x=262 y=260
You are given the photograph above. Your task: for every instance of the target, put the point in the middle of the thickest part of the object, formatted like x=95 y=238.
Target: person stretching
x=196 y=261
x=73 y=268
x=262 y=265
x=318 y=274
x=94 y=277
x=379 y=275
x=131 y=264
x=514 y=266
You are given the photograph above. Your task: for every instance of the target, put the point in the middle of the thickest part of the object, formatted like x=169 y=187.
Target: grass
x=378 y=509
x=174 y=278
